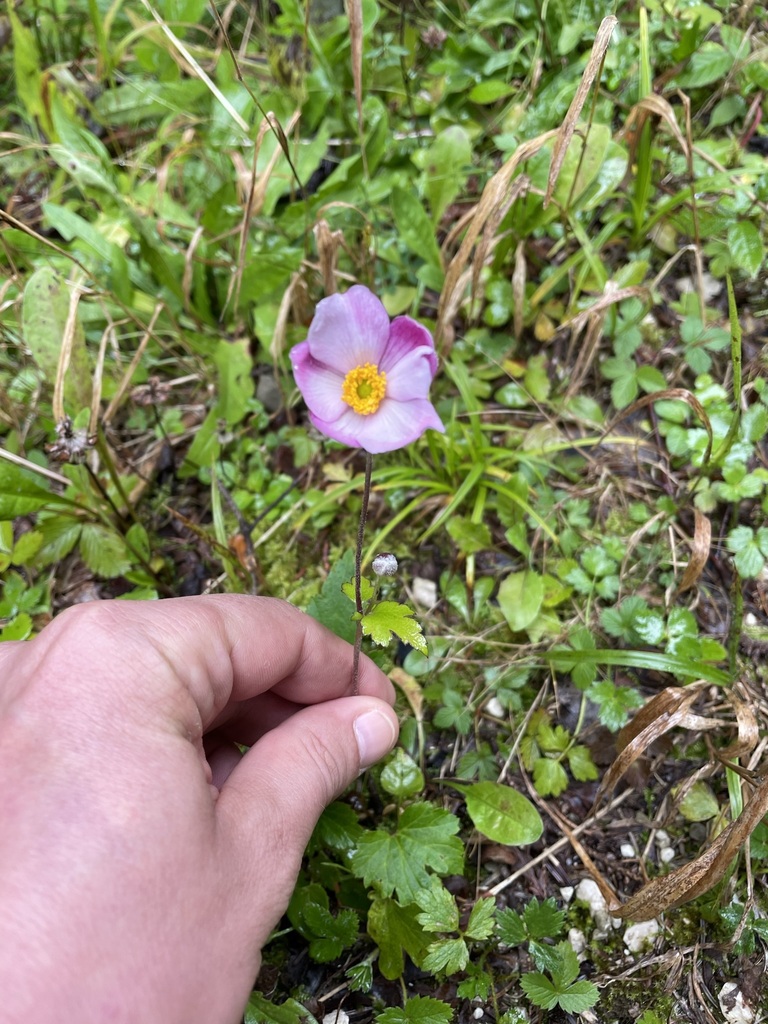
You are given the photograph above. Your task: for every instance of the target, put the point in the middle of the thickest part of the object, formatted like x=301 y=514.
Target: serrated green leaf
x=390 y=618
x=439 y=910
x=549 y=777
x=20 y=491
x=338 y=827
x=482 y=920
x=578 y=997
x=103 y=551
x=502 y=814
x=469 y=537
x=425 y=838
x=539 y=989
x=60 y=535
x=448 y=956
x=419 y=1010
x=583 y=768
x=261 y=1011
x=543 y=920
x=366 y=589
x=745 y=246
x=415 y=228
x=512 y=930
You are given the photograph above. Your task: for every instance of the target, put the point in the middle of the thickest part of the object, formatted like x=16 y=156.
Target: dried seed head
x=72 y=445
x=384 y=564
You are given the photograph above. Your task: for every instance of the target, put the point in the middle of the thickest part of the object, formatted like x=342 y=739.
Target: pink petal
x=319 y=385
x=405 y=336
x=410 y=376
x=349 y=330
x=394 y=426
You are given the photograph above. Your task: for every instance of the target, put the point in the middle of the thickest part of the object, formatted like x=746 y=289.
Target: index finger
x=222 y=649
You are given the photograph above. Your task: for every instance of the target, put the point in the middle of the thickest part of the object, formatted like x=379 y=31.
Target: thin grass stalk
x=358 y=574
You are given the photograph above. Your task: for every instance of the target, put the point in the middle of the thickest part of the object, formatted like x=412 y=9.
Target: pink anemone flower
x=365 y=379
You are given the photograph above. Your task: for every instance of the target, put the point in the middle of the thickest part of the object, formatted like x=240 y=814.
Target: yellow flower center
x=364 y=387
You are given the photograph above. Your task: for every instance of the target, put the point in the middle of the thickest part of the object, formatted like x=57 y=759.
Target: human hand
x=144 y=860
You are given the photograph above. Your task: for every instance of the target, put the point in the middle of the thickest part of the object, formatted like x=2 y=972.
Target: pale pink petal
x=410 y=376
x=394 y=426
x=320 y=386
x=349 y=330
x=405 y=336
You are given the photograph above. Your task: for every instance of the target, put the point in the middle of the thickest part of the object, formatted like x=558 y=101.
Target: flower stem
x=358 y=570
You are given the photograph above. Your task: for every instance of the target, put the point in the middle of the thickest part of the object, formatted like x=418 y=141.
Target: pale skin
x=144 y=860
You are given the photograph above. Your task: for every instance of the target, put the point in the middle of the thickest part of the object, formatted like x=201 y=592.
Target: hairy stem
x=358 y=570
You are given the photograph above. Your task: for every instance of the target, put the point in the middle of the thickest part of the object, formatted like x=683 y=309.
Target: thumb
x=270 y=803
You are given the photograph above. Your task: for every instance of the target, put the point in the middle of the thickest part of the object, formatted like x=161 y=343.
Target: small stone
x=627 y=851
x=639 y=938
x=735 y=1009
x=478 y=1013
x=577 y=939
x=566 y=893
x=588 y=892
x=336 y=1017
x=666 y=855
x=424 y=591
x=662 y=839
x=495 y=708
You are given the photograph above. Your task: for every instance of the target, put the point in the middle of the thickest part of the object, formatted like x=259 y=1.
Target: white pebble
x=639 y=938
x=588 y=892
x=424 y=591
x=495 y=708
x=577 y=939
x=662 y=839
x=628 y=851
x=735 y=1009
x=336 y=1017
x=478 y=1013
x=666 y=855
x=567 y=892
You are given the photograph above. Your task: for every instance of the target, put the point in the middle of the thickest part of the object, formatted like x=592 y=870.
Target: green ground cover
x=576 y=209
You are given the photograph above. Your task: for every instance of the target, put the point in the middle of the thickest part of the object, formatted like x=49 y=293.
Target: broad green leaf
x=26 y=69
x=18 y=628
x=402 y=777
x=331 y=607
x=261 y=1011
x=45 y=316
x=710 y=63
x=469 y=537
x=60 y=534
x=103 y=551
x=419 y=1010
x=502 y=814
x=543 y=920
x=448 y=162
x=699 y=803
x=539 y=989
x=425 y=838
x=391 y=617
x=26 y=547
x=338 y=827
x=414 y=227
x=746 y=247
x=520 y=598
x=490 y=91
x=20 y=491
x=394 y=930
x=578 y=997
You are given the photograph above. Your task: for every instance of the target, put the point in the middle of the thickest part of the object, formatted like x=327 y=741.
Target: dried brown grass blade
x=493 y=196
x=669 y=394
x=702 y=539
x=128 y=375
x=519 y=276
x=702 y=874
x=662 y=713
x=657 y=105
x=565 y=133
x=328 y=243
x=610 y=297
x=65 y=352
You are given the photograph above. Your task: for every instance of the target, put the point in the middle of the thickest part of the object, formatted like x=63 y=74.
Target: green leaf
x=103 y=551
x=60 y=535
x=26 y=68
x=338 y=828
x=44 y=317
x=448 y=162
x=578 y=997
x=502 y=814
x=520 y=598
x=419 y=1010
x=469 y=537
x=614 y=703
x=699 y=803
x=20 y=491
x=510 y=925
x=261 y=1011
x=448 y=956
x=583 y=768
x=402 y=777
x=366 y=589
x=651 y=660
x=543 y=920
x=482 y=920
x=549 y=777
x=390 y=618
x=439 y=910
x=490 y=91
x=710 y=63
x=746 y=247
x=18 y=628
x=415 y=228
x=26 y=547
x=394 y=930
x=331 y=607
x=539 y=989
x=425 y=838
